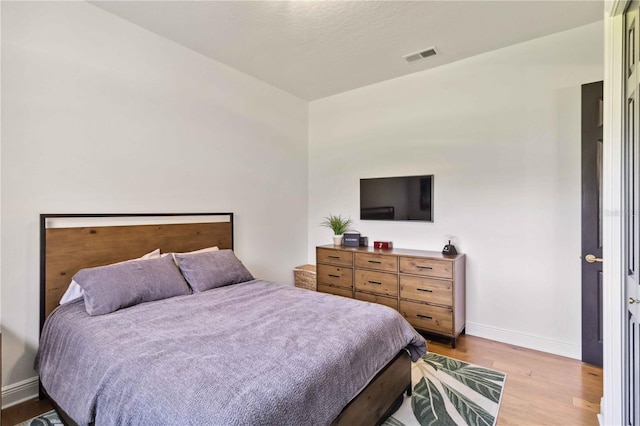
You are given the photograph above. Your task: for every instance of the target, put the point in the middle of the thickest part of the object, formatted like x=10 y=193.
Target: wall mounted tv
x=408 y=198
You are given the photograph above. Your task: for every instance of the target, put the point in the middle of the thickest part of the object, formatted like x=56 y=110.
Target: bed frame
x=70 y=242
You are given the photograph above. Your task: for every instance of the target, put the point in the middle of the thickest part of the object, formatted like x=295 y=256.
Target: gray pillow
x=208 y=270
x=112 y=287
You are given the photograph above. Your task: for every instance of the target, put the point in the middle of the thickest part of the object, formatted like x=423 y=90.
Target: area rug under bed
x=46 y=419
x=446 y=391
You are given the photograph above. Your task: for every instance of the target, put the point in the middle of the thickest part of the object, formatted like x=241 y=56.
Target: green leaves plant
x=338 y=224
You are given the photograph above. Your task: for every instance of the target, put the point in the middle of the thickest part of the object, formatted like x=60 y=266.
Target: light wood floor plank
x=24 y=411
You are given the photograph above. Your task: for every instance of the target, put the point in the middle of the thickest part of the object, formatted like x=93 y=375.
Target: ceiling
x=314 y=49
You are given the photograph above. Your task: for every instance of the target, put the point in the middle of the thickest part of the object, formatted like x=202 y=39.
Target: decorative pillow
x=112 y=287
x=207 y=270
x=74 y=291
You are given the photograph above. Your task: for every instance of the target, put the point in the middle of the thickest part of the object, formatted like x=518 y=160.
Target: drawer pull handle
x=424 y=316
x=334 y=257
x=424 y=289
x=377 y=262
x=375 y=282
x=334 y=276
x=423 y=267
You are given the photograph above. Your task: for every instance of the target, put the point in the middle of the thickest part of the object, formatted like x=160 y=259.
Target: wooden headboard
x=70 y=242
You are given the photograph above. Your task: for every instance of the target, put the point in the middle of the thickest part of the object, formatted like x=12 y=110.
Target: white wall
x=100 y=115
x=501 y=134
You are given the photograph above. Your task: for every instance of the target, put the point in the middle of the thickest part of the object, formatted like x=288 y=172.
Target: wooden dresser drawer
x=334 y=257
x=375 y=298
x=426 y=290
x=379 y=262
x=428 y=317
x=427 y=267
x=335 y=275
x=377 y=282
x=338 y=291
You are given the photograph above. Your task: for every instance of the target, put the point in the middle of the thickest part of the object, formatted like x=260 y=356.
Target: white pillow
x=204 y=250
x=74 y=291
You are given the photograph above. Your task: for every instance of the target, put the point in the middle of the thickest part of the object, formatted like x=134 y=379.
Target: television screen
x=397 y=198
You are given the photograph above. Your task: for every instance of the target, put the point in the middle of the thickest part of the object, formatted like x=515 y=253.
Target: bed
x=252 y=352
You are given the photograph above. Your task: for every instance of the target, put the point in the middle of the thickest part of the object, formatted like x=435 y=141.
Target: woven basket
x=305 y=276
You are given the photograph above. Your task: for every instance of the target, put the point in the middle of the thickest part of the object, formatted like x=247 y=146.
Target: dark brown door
x=592 y=223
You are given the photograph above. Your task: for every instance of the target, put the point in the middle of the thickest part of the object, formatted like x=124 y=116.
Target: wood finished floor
x=541 y=389
x=19 y=413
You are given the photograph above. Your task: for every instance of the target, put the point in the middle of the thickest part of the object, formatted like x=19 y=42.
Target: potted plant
x=339 y=225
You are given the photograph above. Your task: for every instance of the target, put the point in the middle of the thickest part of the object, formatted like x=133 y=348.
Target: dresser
x=426 y=287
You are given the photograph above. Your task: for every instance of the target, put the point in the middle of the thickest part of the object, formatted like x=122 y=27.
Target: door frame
x=614 y=309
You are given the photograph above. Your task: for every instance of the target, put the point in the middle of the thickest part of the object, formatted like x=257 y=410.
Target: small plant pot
x=337 y=240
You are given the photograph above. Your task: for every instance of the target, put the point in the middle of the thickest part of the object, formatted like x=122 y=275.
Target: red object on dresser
x=384 y=245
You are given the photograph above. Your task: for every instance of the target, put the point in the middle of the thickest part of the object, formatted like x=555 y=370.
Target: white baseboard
x=524 y=340
x=16 y=393
x=601 y=413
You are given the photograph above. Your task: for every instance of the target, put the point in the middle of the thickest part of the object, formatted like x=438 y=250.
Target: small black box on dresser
x=351 y=239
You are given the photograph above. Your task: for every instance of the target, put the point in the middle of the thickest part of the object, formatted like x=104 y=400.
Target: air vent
x=414 y=57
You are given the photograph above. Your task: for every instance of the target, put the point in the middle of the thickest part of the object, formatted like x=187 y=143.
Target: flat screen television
x=407 y=198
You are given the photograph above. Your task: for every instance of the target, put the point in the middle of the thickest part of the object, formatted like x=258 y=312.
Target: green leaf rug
x=450 y=392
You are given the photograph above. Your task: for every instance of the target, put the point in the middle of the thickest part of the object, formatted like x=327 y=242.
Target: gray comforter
x=255 y=353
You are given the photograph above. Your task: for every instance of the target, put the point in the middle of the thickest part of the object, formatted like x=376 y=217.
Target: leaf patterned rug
x=47 y=419
x=446 y=392
x=450 y=392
